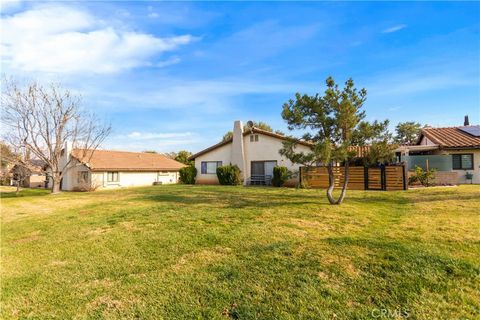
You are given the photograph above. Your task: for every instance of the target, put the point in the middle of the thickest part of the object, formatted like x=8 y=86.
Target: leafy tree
x=335 y=122
x=259 y=125
x=407 y=132
x=182 y=156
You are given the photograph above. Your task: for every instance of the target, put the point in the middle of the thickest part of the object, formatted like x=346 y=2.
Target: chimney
x=238 y=152
x=466 y=122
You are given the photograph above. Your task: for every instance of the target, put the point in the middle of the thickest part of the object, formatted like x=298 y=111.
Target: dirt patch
x=105 y=302
x=58 y=263
x=99 y=231
x=34 y=236
x=201 y=258
x=345 y=264
x=130 y=226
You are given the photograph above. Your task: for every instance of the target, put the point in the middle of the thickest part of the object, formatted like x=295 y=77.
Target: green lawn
x=206 y=252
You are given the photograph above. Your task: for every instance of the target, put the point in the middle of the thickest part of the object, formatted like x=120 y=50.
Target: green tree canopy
x=334 y=122
x=407 y=132
x=181 y=156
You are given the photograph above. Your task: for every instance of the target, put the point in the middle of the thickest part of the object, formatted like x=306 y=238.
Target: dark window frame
x=111 y=174
x=460 y=155
x=81 y=176
x=204 y=167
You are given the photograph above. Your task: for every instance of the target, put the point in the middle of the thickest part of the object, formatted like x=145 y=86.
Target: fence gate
x=390 y=177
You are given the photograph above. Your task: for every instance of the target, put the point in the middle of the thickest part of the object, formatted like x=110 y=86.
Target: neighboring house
x=36 y=178
x=112 y=169
x=453 y=151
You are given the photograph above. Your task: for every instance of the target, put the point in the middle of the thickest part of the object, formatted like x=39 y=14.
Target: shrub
x=425 y=177
x=188 y=175
x=229 y=175
x=85 y=187
x=280 y=176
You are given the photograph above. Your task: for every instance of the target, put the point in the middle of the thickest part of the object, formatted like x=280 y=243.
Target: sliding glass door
x=262 y=172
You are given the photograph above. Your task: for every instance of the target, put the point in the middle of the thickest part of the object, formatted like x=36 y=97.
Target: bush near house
x=280 y=176
x=188 y=175
x=229 y=175
x=424 y=177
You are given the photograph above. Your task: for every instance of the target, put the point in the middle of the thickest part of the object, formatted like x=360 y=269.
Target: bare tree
x=42 y=119
x=20 y=173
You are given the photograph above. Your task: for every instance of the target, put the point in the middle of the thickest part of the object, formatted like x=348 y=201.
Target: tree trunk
x=55 y=186
x=346 y=176
x=331 y=184
x=18 y=188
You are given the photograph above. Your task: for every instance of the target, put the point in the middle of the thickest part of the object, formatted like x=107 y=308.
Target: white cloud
x=395 y=28
x=158 y=141
x=62 y=39
x=157 y=135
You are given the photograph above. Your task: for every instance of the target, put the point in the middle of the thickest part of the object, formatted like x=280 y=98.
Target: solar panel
x=471 y=130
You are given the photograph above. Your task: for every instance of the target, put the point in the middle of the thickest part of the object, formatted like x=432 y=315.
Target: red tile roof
x=102 y=160
x=451 y=137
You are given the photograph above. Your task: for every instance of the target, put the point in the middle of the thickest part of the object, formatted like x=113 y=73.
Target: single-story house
x=454 y=152
x=36 y=174
x=254 y=151
x=90 y=169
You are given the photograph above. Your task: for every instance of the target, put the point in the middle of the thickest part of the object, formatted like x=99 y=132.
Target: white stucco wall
x=476 y=166
x=133 y=179
x=70 y=178
x=223 y=153
x=265 y=149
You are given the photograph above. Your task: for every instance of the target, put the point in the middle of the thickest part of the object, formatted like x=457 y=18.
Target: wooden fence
x=391 y=177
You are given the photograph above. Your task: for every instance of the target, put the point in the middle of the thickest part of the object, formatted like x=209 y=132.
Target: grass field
x=211 y=252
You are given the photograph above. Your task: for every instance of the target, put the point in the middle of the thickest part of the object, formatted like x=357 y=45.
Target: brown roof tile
x=102 y=160
x=451 y=137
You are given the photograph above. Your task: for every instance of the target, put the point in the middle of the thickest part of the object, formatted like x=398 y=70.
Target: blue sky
x=175 y=75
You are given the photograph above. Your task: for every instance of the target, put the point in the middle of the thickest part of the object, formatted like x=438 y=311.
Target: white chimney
x=238 y=152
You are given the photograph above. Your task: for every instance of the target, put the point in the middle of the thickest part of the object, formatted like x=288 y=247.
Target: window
x=462 y=161
x=82 y=176
x=210 y=167
x=254 y=137
x=112 y=176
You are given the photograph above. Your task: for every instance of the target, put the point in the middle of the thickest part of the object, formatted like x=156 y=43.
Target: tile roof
x=361 y=150
x=451 y=137
x=102 y=160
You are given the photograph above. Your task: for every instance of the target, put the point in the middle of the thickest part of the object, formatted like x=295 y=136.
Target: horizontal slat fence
x=390 y=177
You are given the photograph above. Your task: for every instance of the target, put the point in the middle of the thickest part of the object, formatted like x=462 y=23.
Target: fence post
x=365 y=177
x=300 y=176
x=383 y=177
